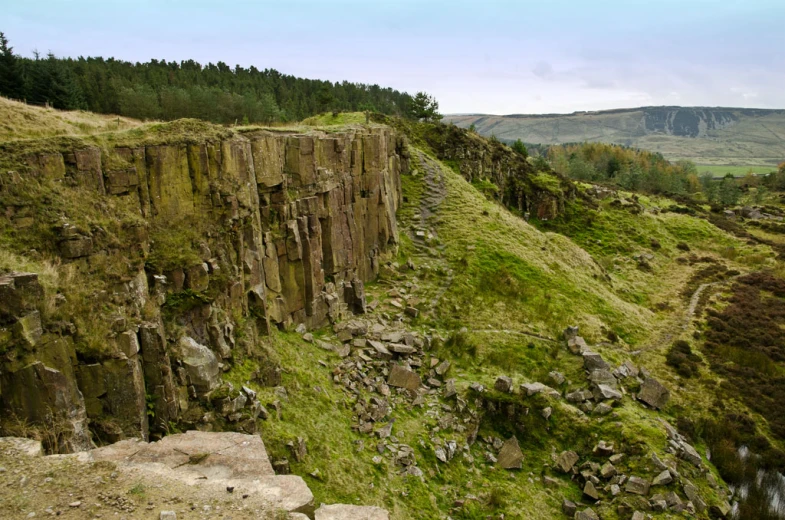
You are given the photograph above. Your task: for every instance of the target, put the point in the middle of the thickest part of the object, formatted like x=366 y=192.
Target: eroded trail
x=682 y=324
x=426 y=238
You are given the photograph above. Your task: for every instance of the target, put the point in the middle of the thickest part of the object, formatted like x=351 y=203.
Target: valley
x=409 y=316
x=718 y=139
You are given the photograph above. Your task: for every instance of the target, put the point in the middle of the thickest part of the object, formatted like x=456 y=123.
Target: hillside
x=704 y=135
x=392 y=314
x=21 y=121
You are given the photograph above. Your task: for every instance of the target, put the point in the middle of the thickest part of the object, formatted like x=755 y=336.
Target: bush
x=682 y=246
x=681 y=357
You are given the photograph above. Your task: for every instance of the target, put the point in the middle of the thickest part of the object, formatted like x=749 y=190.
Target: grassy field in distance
x=735 y=170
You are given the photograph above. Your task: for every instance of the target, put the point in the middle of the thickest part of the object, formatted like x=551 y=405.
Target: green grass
x=340 y=118
x=735 y=170
x=547 y=182
x=321 y=412
x=509 y=275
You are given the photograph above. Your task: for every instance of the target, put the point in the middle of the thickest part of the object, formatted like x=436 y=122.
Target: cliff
x=493 y=167
x=163 y=253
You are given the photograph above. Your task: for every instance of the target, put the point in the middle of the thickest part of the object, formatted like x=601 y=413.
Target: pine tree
x=519 y=147
x=11 y=84
x=425 y=107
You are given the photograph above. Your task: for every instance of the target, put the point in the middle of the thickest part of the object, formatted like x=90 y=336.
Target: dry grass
x=21 y=121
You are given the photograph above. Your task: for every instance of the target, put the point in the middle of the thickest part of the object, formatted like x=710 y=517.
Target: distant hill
x=705 y=135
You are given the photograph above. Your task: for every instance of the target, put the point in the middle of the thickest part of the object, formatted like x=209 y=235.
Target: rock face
x=200 y=364
x=292 y=226
x=38 y=384
x=519 y=186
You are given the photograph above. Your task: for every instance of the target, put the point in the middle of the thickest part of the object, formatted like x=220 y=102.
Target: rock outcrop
x=216 y=460
x=279 y=229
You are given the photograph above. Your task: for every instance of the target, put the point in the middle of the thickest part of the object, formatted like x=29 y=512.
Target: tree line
x=641 y=170
x=171 y=90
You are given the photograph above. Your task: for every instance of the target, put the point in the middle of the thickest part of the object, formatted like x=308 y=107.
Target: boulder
x=557 y=378
x=400 y=348
x=381 y=351
x=566 y=461
x=200 y=364
x=503 y=384
x=602 y=377
x=690 y=454
x=577 y=345
x=663 y=479
x=402 y=377
x=590 y=491
x=442 y=368
x=349 y=512
x=722 y=510
x=593 y=361
x=608 y=470
x=586 y=514
x=569 y=508
x=537 y=388
x=510 y=456
x=694 y=495
x=602 y=392
x=654 y=393
x=637 y=486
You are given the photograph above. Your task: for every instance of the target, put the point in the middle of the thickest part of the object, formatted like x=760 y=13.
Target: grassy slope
x=21 y=121
x=508 y=275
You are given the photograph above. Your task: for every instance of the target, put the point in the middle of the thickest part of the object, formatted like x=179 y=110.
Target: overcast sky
x=487 y=56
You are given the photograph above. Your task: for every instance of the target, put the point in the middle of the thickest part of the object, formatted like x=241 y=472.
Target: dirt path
x=683 y=324
x=514 y=332
x=426 y=233
x=434 y=196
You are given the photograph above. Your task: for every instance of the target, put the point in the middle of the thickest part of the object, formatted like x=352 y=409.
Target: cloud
x=543 y=70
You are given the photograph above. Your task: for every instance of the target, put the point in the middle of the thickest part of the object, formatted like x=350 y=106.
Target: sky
x=497 y=57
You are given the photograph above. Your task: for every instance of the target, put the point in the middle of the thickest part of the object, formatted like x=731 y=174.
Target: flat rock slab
x=26 y=447
x=209 y=454
x=216 y=459
x=347 y=512
x=402 y=377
